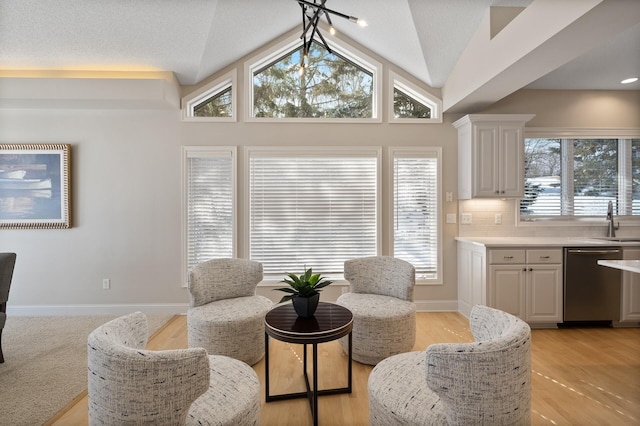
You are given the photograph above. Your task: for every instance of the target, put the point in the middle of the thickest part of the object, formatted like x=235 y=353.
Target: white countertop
x=625 y=265
x=547 y=242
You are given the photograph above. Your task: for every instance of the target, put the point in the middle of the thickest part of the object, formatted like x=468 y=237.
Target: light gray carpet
x=45 y=364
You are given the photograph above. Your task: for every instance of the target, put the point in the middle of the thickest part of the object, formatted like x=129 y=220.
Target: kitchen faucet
x=611 y=230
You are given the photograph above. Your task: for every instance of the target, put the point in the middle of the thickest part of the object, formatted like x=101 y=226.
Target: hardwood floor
x=587 y=376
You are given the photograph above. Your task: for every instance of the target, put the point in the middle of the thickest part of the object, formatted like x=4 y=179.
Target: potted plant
x=304 y=291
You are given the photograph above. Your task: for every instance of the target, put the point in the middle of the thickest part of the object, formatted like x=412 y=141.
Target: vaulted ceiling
x=475 y=53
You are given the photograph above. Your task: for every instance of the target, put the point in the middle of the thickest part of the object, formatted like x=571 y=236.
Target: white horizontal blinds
x=635 y=177
x=543 y=172
x=308 y=210
x=595 y=176
x=210 y=186
x=416 y=213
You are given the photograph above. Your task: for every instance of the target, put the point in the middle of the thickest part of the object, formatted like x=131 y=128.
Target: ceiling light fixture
x=312 y=11
x=629 y=80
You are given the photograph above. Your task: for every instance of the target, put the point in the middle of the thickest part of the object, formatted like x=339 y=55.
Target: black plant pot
x=305 y=306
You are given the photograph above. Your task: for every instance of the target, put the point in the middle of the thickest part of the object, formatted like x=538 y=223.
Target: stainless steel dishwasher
x=591 y=291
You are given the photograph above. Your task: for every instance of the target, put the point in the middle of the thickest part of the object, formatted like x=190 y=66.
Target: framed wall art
x=35 y=186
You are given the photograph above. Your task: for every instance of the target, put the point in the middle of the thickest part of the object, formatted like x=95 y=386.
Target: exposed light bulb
x=301 y=69
x=362 y=23
x=629 y=80
x=332 y=30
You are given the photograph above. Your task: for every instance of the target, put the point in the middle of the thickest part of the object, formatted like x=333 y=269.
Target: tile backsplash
x=483 y=223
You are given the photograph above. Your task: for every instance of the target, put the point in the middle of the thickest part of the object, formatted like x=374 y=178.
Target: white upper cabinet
x=491 y=155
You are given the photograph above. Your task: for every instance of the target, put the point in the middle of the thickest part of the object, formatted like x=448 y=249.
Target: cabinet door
x=507 y=289
x=511 y=163
x=486 y=159
x=630 y=289
x=544 y=293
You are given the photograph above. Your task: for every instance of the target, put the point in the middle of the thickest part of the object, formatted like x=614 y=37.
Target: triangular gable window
x=218 y=105
x=213 y=102
x=411 y=104
x=404 y=106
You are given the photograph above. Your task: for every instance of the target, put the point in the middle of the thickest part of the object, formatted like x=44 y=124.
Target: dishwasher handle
x=593 y=251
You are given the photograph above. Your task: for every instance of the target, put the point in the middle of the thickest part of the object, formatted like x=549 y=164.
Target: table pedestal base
x=311 y=394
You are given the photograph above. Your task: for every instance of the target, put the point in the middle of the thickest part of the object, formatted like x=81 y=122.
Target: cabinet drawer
x=544 y=256
x=506 y=256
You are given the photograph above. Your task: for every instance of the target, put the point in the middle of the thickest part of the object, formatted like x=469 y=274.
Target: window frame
x=190 y=101
x=420 y=152
x=413 y=91
x=289 y=44
x=384 y=187
x=206 y=151
x=575 y=133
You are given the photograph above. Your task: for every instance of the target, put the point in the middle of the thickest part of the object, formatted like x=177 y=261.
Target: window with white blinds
x=578 y=177
x=315 y=210
x=415 y=211
x=209 y=202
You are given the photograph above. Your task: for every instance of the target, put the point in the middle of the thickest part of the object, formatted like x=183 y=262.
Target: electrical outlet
x=449 y=197
x=106 y=284
x=451 y=218
x=466 y=219
x=498 y=219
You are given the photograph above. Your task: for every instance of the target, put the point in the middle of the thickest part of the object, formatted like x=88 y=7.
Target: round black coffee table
x=330 y=322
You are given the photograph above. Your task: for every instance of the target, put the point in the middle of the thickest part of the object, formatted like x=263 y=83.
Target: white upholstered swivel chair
x=381 y=300
x=487 y=382
x=226 y=317
x=130 y=385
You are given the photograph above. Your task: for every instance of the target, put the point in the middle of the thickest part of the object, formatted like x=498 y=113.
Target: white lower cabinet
x=544 y=293
x=527 y=283
x=507 y=289
x=630 y=306
x=524 y=282
x=472 y=289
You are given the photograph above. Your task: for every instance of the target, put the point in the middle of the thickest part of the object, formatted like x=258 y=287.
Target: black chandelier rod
x=313 y=21
x=325 y=9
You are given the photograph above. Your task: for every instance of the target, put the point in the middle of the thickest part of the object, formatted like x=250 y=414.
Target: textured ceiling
x=196 y=38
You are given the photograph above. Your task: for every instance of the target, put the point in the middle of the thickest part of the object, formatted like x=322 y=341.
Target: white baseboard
x=436 y=305
x=74 y=310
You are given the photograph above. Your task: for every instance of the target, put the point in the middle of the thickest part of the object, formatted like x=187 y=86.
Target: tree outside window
x=330 y=86
x=578 y=177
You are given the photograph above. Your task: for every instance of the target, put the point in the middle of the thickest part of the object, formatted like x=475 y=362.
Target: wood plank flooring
x=586 y=376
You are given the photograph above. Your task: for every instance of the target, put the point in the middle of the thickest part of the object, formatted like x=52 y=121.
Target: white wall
x=125 y=186
x=126 y=195
x=126 y=200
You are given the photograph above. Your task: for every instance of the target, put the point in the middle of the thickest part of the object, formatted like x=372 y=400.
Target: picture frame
x=35 y=186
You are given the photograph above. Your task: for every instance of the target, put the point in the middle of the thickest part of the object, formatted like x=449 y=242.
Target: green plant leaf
x=286 y=290
x=304 y=285
x=285 y=298
x=323 y=284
